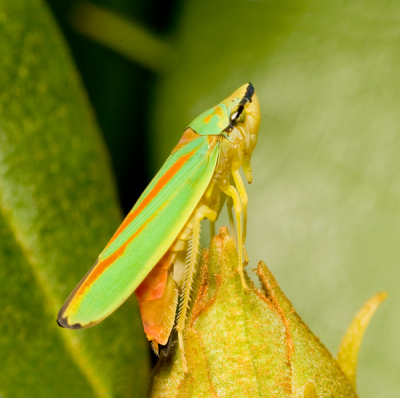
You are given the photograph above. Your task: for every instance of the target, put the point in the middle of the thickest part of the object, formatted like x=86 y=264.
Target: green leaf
x=108 y=28
x=246 y=344
x=58 y=208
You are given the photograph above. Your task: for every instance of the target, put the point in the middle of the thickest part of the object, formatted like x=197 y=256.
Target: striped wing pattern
x=145 y=235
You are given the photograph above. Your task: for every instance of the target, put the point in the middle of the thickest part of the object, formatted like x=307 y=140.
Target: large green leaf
x=57 y=210
x=324 y=207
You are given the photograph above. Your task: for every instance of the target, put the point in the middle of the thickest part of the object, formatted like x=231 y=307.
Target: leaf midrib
x=72 y=343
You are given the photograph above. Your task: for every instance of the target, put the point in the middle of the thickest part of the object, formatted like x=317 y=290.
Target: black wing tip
x=60 y=324
x=63 y=322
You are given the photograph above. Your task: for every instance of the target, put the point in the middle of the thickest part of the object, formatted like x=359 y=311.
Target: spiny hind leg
x=231 y=191
x=193 y=249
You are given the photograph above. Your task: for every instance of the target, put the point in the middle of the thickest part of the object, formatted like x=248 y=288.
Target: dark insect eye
x=234 y=116
x=238 y=114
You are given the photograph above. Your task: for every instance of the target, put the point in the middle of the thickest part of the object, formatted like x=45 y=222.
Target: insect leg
x=229 y=206
x=243 y=196
x=233 y=193
x=201 y=213
x=246 y=167
x=212 y=229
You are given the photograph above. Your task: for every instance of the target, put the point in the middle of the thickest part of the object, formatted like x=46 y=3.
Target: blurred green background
x=324 y=209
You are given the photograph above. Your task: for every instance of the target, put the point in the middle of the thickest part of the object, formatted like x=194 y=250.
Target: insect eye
x=238 y=114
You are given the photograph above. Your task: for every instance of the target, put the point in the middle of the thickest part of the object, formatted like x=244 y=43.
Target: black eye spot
x=236 y=114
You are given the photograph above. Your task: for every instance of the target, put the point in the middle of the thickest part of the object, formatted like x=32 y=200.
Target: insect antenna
x=269 y=117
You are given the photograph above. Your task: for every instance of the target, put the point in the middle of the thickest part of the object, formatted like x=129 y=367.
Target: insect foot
x=245 y=345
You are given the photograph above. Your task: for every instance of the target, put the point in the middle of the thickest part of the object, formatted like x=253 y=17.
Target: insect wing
x=144 y=236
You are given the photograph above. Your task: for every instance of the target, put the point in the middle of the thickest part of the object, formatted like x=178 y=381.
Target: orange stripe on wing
x=102 y=265
x=168 y=175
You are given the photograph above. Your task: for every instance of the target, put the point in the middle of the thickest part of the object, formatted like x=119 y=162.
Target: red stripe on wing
x=102 y=265
x=165 y=178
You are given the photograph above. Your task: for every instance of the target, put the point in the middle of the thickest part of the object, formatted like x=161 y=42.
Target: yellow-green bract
x=154 y=251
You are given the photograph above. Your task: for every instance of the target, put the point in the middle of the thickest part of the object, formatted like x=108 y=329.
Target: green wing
x=145 y=235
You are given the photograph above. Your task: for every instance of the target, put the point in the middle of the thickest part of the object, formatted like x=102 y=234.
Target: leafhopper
x=154 y=251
